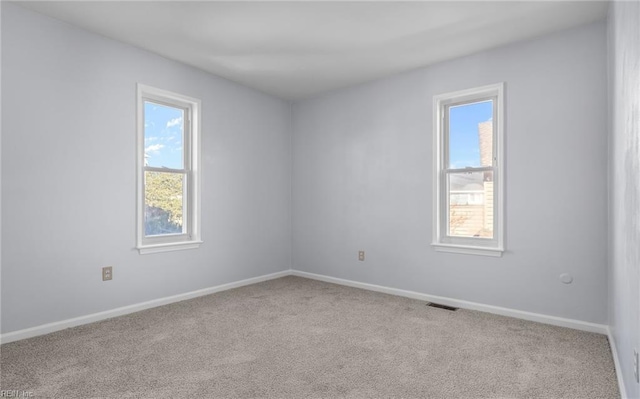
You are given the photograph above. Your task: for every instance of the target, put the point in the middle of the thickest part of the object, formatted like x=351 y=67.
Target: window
x=469 y=170
x=168 y=173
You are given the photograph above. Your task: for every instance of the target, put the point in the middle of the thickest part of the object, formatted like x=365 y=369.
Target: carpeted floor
x=299 y=338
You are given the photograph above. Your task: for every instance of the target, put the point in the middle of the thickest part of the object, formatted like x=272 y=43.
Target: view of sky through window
x=163 y=136
x=464 y=146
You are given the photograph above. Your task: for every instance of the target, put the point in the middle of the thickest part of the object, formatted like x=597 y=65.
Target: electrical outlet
x=361 y=255
x=107 y=273
x=635 y=365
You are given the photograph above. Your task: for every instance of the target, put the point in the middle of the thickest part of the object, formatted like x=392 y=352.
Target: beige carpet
x=299 y=338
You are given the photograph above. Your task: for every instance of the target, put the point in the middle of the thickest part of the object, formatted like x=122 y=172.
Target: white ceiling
x=295 y=50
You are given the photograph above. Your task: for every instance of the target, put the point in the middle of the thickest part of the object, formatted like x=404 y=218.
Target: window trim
x=192 y=238
x=468 y=245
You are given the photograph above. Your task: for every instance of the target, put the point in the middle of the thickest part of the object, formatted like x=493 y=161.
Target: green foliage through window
x=164 y=203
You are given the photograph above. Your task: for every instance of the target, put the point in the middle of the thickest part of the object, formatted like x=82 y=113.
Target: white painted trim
x=192 y=137
x=616 y=362
x=468 y=245
x=553 y=320
x=468 y=249
x=169 y=246
x=519 y=314
x=107 y=314
x=540 y=318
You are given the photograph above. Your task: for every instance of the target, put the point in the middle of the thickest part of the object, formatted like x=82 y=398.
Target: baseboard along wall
x=107 y=314
x=519 y=314
x=616 y=362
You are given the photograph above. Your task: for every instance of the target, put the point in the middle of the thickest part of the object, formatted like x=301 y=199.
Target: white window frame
x=191 y=238
x=441 y=240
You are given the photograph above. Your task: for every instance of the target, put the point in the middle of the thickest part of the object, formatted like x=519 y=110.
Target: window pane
x=470 y=204
x=163 y=136
x=471 y=135
x=163 y=203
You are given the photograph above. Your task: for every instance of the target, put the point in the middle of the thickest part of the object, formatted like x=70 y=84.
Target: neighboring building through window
x=469 y=170
x=168 y=173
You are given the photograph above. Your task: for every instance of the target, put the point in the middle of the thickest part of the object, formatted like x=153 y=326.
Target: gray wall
x=68 y=176
x=362 y=180
x=624 y=203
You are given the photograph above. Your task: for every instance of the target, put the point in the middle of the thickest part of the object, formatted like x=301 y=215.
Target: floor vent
x=439 y=306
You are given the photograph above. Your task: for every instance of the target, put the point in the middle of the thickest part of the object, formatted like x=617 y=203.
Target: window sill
x=468 y=249
x=166 y=247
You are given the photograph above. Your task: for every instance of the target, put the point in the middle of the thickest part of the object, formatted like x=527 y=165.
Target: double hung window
x=168 y=173
x=469 y=171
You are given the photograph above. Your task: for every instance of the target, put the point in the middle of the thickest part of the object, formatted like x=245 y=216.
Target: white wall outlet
x=361 y=255
x=107 y=273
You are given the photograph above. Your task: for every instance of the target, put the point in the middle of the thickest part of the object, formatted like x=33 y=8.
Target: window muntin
x=468 y=210
x=168 y=188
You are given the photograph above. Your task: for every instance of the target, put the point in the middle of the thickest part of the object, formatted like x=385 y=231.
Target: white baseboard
x=553 y=320
x=61 y=325
x=107 y=314
x=519 y=314
x=616 y=362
